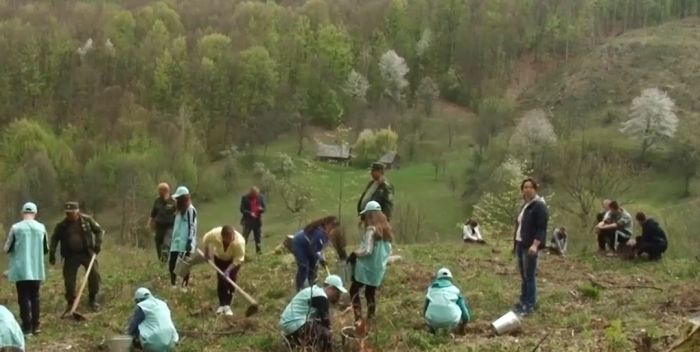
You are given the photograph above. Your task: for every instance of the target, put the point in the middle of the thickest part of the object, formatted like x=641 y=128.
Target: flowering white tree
x=496 y=210
x=533 y=136
x=356 y=86
x=393 y=70
x=652 y=118
x=423 y=44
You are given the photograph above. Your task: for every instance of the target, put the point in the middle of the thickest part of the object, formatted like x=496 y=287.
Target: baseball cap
x=71 y=207
x=142 y=293
x=181 y=191
x=371 y=206
x=337 y=282
x=444 y=272
x=29 y=207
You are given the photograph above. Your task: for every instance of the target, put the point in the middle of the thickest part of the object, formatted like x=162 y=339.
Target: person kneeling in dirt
x=616 y=227
x=151 y=325
x=470 y=232
x=305 y=322
x=11 y=336
x=653 y=240
x=560 y=240
x=445 y=306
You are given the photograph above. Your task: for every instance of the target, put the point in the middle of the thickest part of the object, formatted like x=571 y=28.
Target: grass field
x=578 y=314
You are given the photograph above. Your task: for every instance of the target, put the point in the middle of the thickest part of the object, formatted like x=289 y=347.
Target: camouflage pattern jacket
x=91 y=230
x=384 y=195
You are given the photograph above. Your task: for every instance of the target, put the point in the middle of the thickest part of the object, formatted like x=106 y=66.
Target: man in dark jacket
x=162 y=219
x=378 y=190
x=653 y=240
x=252 y=207
x=80 y=237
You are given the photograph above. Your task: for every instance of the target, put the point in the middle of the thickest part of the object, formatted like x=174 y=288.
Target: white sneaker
x=173 y=287
x=228 y=311
x=220 y=310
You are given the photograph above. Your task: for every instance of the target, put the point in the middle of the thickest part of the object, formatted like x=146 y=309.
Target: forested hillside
x=100 y=99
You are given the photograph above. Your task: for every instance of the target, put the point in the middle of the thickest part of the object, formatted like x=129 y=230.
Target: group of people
x=305 y=320
x=614 y=229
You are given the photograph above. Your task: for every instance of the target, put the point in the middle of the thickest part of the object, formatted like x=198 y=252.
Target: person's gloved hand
x=188 y=247
x=352 y=258
x=323 y=263
x=52 y=258
x=97 y=250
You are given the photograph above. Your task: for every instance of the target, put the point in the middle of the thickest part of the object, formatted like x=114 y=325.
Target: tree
x=393 y=70
x=492 y=114
x=533 y=137
x=370 y=145
x=426 y=95
x=497 y=209
x=356 y=87
x=652 y=119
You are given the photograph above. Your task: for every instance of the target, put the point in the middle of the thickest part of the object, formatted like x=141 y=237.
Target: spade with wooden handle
x=253 y=307
x=75 y=315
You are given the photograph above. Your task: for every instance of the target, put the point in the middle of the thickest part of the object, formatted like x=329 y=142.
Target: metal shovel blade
x=251 y=310
x=75 y=315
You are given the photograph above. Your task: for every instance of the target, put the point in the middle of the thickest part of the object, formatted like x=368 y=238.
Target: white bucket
x=506 y=324
x=182 y=267
x=120 y=343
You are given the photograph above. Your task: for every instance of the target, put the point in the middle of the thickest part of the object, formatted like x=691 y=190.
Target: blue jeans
x=527 y=265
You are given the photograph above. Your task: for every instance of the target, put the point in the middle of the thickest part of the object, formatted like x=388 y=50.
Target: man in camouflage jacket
x=80 y=237
x=378 y=190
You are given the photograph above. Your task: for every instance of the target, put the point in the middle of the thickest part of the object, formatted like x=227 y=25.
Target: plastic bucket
x=120 y=343
x=347 y=334
x=345 y=271
x=506 y=324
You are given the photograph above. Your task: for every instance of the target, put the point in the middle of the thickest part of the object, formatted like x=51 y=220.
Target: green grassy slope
x=578 y=316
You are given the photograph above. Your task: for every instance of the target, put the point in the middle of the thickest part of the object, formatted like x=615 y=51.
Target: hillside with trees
x=98 y=100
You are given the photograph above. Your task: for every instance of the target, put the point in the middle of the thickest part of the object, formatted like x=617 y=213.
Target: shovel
x=253 y=307
x=75 y=315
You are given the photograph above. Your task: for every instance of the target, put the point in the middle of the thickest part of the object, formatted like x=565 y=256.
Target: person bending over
x=653 y=240
x=307 y=247
x=227 y=247
x=305 y=322
x=151 y=325
x=560 y=241
x=445 y=307
x=471 y=233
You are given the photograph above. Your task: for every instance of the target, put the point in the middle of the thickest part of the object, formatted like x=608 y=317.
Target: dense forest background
x=99 y=99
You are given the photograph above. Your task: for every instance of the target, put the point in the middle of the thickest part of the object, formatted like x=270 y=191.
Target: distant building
x=391 y=160
x=333 y=153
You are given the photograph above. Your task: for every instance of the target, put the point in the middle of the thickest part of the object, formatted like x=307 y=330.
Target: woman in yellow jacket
x=227 y=249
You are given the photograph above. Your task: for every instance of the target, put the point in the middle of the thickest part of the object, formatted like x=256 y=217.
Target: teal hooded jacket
x=445 y=306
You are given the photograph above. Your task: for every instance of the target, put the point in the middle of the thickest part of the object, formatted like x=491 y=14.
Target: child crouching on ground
x=445 y=306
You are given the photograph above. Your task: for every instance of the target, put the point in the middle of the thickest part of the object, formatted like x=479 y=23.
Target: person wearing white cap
x=26 y=246
x=151 y=324
x=305 y=322
x=11 y=336
x=184 y=237
x=370 y=260
x=445 y=306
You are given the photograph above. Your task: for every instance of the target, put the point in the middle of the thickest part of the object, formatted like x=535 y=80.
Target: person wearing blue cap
x=11 y=336
x=306 y=322
x=184 y=237
x=151 y=324
x=370 y=260
x=307 y=247
x=445 y=307
x=26 y=246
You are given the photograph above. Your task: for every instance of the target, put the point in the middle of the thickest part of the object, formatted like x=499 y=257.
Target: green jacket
x=383 y=194
x=92 y=235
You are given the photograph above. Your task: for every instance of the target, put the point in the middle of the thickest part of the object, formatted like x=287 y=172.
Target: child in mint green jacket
x=445 y=306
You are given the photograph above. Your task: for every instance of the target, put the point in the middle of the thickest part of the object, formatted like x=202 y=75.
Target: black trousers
x=163 y=232
x=652 y=249
x=171 y=267
x=370 y=295
x=29 y=304
x=312 y=334
x=608 y=238
x=254 y=226
x=71 y=263
x=224 y=290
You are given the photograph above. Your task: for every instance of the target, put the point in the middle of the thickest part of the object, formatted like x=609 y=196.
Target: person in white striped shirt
x=184 y=238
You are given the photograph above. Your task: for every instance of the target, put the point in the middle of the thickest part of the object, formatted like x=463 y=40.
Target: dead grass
x=578 y=315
